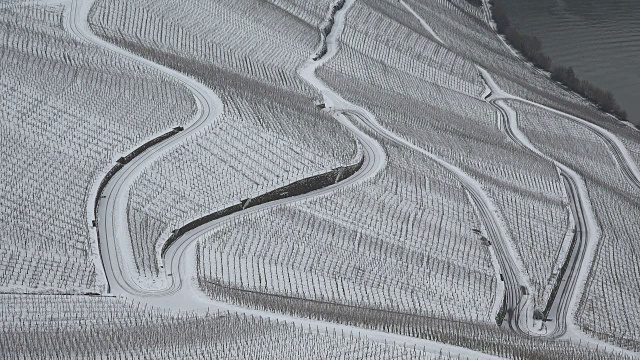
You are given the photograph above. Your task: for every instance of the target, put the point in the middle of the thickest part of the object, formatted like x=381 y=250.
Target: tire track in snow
x=110 y=209
x=183 y=295
x=585 y=228
x=208 y=108
x=111 y=219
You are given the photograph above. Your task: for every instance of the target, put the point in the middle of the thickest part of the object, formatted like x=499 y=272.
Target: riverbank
x=530 y=48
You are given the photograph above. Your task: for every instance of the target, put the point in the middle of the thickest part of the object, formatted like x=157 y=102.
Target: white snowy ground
x=64 y=118
x=446 y=76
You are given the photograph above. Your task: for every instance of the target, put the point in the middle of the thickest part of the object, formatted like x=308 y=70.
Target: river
x=599 y=38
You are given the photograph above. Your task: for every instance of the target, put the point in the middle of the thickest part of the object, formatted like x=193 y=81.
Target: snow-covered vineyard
x=269 y=179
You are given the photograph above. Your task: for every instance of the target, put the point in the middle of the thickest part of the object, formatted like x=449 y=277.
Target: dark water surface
x=599 y=38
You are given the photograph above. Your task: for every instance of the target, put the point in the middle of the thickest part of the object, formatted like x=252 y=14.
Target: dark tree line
x=531 y=48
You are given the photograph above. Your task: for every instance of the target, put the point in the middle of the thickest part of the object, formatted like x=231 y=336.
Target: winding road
x=618 y=150
x=586 y=232
x=516 y=284
x=560 y=310
x=177 y=290
x=515 y=281
x=111 y=210
x=114 y=238
x=559 y=313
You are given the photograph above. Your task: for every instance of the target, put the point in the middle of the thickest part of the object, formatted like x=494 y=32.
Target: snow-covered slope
x=459 y=187
x=268 y=133
x=445 y=116
x=68 y=110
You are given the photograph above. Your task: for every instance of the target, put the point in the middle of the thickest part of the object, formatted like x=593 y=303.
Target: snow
x=598 y=226
x=592 y=225
x=419 y=123
x=53 y=136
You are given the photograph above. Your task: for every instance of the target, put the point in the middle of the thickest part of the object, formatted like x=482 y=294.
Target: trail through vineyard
x=362 y=178
x=181 y=293
x=348 y=114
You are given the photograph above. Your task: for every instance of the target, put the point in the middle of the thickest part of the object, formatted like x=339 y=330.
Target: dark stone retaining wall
x=117 y=167
x=294 y=189
x=563 y=270
x=326 y=29
x=126 y=159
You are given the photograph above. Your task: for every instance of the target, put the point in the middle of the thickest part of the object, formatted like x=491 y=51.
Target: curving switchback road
x=114 y=238
x=111 y=209
x=586 y=234
x=516 y=284
x=177 y=290
x=560 y=314
x=618 y=150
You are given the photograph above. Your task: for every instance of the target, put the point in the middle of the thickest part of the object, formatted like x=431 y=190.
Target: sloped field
x=449 y=120
x=268 y=133
x=401 y=242
x=446 y=223
x=46 y=326
x=608 y=307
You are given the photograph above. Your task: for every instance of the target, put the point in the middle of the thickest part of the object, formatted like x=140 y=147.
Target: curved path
x=560 y=311
x=618 y=150
x=179 y=253
x=114 y=238
x=586 y=232
x=179 y=291
x=586 y=235
x=515 y=282
x=112 y=212
x=586 y=229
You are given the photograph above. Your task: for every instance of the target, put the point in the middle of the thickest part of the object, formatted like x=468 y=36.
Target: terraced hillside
x=264 y=137
x=68 y=109
x=295 y=179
